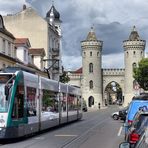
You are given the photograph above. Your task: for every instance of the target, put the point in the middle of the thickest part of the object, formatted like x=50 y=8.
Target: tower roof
x=56 y=13
x=134 y=34
x=91 y=35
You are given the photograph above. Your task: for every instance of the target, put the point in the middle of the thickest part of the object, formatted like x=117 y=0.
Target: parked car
x=139 y=124
x=136 y=103
x=115 y=115
x=121 y=114
x=142 y=143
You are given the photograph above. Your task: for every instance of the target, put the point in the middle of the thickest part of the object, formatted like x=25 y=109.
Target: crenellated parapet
x=91 y=43
x=132 y=45
x=115 y=72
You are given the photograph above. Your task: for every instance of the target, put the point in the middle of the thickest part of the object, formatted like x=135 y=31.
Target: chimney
x=24 y=7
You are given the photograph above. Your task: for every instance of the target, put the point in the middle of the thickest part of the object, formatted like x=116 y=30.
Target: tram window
x=18 y=107
x=50 y=101
x=63 y=102
x=31 y=101
x=72 y=103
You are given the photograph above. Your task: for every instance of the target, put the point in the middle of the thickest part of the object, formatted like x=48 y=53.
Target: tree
x=64 y=77
x=141 y=73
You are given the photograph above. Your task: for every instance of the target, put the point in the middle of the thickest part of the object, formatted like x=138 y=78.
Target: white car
x=115 y=115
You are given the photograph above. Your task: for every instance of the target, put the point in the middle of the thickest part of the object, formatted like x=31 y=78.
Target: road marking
x=65 y=135
x=120 y=130
x=68 y=144
x=39 y=138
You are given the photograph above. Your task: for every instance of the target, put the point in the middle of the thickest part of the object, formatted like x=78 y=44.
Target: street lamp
x=49 y=69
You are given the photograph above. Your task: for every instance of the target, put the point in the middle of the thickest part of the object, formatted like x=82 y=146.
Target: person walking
x=99 y=105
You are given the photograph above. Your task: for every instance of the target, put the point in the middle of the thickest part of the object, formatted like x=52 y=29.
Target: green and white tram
x=30 y=103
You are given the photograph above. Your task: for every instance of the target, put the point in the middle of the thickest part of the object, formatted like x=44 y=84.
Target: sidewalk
x=96 y=109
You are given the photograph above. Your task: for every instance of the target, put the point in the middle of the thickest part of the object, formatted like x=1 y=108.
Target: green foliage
x=141 y=73
x=64 y=78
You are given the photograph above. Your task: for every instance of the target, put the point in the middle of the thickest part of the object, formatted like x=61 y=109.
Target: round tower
x=133 y=52
x=91 y=71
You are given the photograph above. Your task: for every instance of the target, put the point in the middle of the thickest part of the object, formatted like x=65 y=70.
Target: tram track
x=69 y=136
x=76 y=141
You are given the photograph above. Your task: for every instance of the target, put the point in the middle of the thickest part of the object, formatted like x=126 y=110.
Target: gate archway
x=113 y=93
x=90 y=101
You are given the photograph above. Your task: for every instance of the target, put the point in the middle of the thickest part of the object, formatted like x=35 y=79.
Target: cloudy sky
x=112 y=19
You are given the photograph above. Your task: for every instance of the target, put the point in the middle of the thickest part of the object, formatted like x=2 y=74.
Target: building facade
x=95 y=81
x=14 y=54
x=42 y=33
x=7 y=47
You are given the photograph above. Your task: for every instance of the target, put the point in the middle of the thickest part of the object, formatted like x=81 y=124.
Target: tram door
x=18 y=111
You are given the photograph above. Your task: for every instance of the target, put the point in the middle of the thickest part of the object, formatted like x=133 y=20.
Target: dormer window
x=25 y=55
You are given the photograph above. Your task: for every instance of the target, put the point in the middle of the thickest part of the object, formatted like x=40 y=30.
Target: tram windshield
x=5 y=91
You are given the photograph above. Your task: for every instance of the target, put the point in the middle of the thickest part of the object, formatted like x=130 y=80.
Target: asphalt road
x=96 y=130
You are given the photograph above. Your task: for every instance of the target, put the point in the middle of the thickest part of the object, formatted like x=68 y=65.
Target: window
x=134 y=65
x=97 y=53
x=49 y=101
x=91 y=84
x=9 y=49
x=4 y=46
x=141 y=53
x=31 y=102
x=91 y=67
x=127 y=54
x=64 y=102
x=90 y=53
x=72 y=102
x=84 y=54
x=134 y=53
x=18 y=107
x=4 y=65
x=25 y=55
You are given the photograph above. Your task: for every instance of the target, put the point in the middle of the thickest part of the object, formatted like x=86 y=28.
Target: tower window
x=91 y=84
x=141 y=53
x=134 y=53
x=91 y=67
x=84 y=54
x=97 y=53
x=134 y=65
x=127 y=54
x=90 y=53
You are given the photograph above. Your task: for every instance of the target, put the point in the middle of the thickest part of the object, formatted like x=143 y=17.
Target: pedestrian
x=99 y=105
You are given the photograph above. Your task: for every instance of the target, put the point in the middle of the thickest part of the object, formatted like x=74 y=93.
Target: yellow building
x=42 y=33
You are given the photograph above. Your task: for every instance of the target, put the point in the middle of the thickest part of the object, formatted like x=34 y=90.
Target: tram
x=30 y=103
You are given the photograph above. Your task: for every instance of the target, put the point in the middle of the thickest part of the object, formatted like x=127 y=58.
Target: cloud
x=9 y=6
x=71 y=62
x=113 y=21
x=110 y=60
